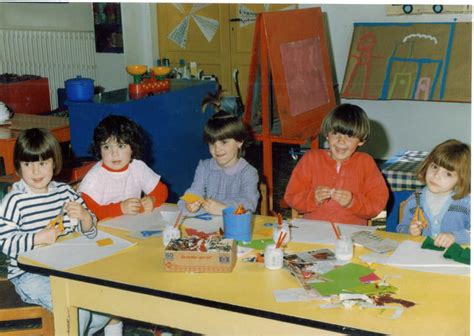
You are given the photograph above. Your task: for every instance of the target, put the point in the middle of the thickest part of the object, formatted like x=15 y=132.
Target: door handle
x=235 y=20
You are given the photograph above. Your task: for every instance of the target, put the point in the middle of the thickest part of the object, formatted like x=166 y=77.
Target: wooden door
x=196 y=33
x=218 y=37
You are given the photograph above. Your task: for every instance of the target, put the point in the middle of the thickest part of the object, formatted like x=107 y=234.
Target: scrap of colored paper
x=369 y=278
x=104 y=242
x=257 y=244
x=341 y=278
x=372 y=289
x=429 y=244
x=191 y=198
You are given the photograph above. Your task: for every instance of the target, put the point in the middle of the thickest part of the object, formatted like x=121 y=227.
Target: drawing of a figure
x=365 y=46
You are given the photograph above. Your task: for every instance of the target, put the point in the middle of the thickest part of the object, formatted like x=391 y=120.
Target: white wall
x=397 y=124
x=139 y=33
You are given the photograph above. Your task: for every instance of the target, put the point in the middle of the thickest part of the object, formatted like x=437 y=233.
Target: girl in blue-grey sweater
x=226 y=179
x=446 y=199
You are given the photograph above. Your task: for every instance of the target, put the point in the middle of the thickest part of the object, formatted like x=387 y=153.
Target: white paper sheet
x=156 y=220
x=77 y=251
x=321 y=232
x=410 y=255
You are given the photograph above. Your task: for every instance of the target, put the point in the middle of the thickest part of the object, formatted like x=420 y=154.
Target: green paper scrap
x=257 y=244
x=372 y=289
x=465 y=256
x=454 y=250
x=429 y=244
x=341 y=278
x=459 y=254
x=327 y=288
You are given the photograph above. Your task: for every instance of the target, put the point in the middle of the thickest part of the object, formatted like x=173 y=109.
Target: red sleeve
x=160 y=193
x=102 y=211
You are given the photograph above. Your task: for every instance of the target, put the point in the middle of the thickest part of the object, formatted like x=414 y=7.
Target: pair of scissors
x=58 y=220
x=204 y=216
x=419 y=216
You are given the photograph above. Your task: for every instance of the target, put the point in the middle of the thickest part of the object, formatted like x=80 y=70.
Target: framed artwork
x=108 y=27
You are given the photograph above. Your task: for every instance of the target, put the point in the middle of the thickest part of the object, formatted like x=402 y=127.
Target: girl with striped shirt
x=29 y=207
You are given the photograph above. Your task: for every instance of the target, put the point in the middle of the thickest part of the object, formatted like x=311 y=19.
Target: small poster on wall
x=108 y=27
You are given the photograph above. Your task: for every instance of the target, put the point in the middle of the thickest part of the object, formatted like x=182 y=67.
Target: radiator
x=57 y=55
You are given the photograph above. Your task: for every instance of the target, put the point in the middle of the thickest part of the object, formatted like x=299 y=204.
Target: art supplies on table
x=73 y=252
x=410 y=255
x=206 y=225
x=347 y=279
x=321 y=232
x=308 y=266
x=194 y=254
x=237 y=223
x=374 y=242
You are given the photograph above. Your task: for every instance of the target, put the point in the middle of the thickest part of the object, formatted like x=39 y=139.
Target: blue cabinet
x=173 y=124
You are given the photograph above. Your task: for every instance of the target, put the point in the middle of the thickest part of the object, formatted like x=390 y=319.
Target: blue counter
x=173 y=123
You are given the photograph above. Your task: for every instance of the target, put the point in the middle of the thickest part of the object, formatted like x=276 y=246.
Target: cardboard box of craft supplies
x=194 y=254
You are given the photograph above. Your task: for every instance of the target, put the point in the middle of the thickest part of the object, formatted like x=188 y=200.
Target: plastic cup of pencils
x=273 y=257
x=344 y=248
x=283 y=228
x=170 y=232
x=238 y=227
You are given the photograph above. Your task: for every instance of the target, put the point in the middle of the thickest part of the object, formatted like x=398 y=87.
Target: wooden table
x=133 y=284
x=59 y=126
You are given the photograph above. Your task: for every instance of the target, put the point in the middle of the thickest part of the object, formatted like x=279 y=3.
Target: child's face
x=115 y=155
x=225 y=152
x=440 y=180
x=342 y=146
x=37 y=175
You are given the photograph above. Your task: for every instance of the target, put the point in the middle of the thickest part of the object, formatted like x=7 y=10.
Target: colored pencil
x=280 y=240
x=336 y=230
x=280 y=219
x=178 y=219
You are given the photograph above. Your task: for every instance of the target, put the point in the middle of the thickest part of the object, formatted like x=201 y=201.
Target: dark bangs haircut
x=37 y=144
x=455 y=156
x=347 y=119
x=120 y=128
x=224 y=125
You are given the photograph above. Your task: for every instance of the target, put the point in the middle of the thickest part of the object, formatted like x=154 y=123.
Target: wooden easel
x=280 y=40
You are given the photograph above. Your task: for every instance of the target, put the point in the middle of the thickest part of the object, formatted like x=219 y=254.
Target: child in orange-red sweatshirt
x=339 y=184
x=114 y=186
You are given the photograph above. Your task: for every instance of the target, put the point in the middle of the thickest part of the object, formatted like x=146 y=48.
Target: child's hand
x=148 y=203
x=322 y=193
x=130 y=206
x=75 y=210
x=47 y=236
x=415 y=229
x=193 y=207
x=444 y=240
x=343 y=197
x=213 y=207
